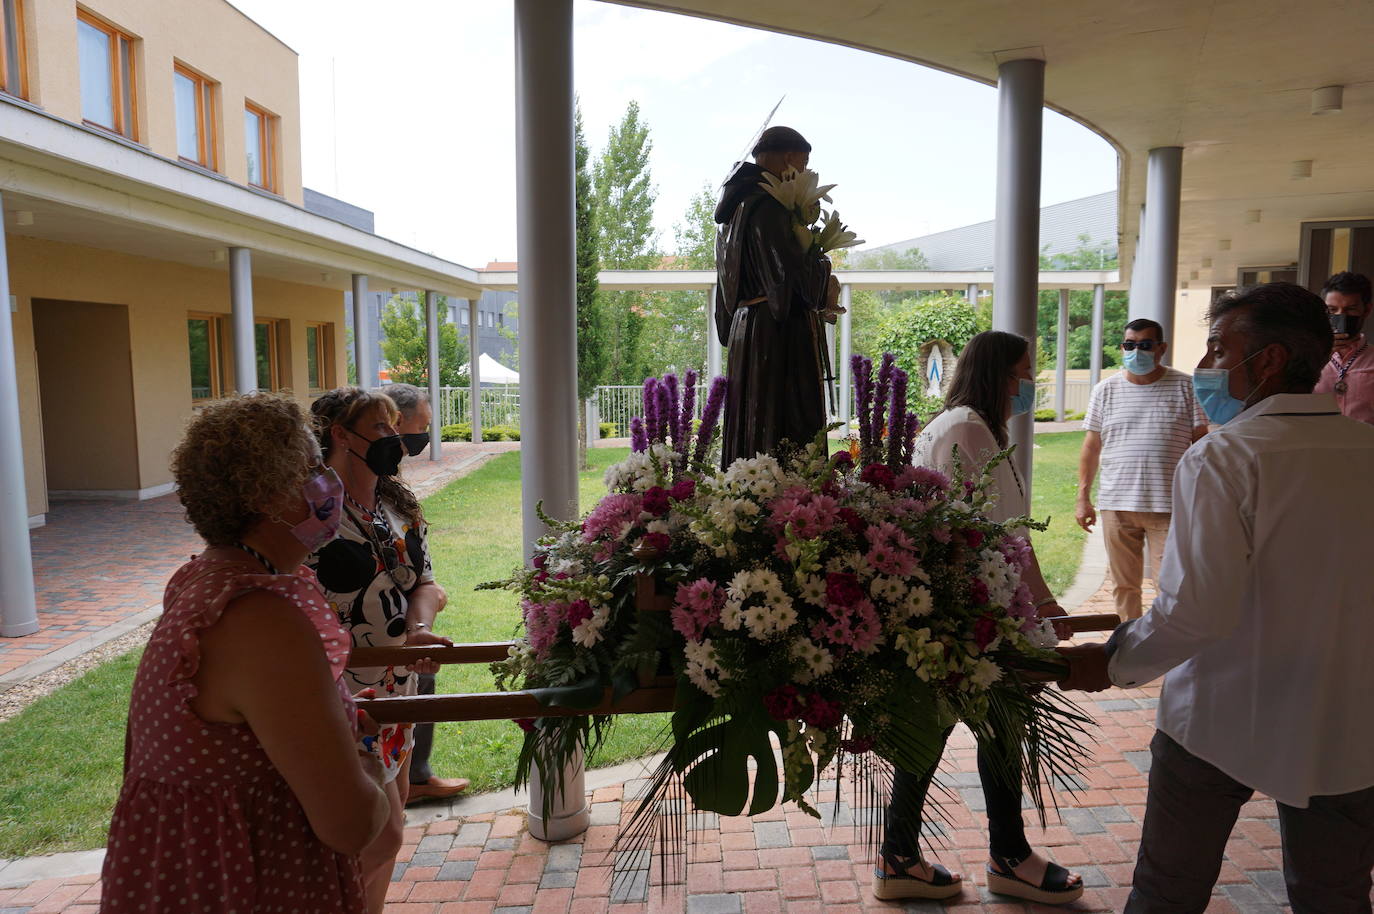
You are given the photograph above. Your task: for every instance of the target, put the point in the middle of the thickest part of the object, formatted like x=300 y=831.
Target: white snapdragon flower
x=590 y=631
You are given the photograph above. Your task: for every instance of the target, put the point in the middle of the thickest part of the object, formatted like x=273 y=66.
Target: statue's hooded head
x=781 y=148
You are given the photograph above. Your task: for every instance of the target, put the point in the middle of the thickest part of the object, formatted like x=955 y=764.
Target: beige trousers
x=1126 y=533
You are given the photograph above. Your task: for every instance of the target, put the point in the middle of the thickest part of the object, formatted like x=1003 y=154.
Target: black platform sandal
x=902 y=884
x=1054 y=888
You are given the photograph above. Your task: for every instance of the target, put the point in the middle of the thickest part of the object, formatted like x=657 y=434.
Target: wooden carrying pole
x=655 y=694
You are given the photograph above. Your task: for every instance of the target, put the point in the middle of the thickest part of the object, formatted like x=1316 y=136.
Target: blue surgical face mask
x=1138 y=361
x=1213 y=389
x=1024 y=399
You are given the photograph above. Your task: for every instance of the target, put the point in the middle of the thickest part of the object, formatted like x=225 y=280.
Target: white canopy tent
x=490 y=371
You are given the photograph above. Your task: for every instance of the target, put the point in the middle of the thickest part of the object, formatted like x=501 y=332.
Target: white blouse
x=963 y=428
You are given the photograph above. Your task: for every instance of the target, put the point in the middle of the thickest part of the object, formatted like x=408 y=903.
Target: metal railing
x=618 y=403
x=500 y=405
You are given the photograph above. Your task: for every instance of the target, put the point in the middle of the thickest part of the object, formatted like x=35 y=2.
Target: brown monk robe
x=771 y=300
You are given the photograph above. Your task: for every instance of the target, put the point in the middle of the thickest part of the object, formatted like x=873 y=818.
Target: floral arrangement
x=801 y=193
x=848 y=605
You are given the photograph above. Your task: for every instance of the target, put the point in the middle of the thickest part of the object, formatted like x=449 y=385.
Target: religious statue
x=774 y=290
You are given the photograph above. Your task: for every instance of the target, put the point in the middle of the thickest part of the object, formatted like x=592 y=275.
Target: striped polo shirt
x=1145 y=429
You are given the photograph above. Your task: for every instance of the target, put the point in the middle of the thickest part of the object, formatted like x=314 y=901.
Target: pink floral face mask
x=324 y=494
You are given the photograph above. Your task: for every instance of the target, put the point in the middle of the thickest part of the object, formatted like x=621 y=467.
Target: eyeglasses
x=1142 y=345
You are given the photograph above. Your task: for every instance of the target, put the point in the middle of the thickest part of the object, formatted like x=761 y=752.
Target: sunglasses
x=1142 y=345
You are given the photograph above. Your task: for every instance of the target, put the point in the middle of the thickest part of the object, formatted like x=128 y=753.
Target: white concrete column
x=1099 y=316
x=1061 y=355
x=241 y=306
x=545 y=248
x=18 y=602
x=1140 y=271
x=362 y=335
x=474 y=373
x=971 y=293
x=1163 y=190
x=713 y=360
x=1016 y=256
x=432 y=338
x=846 y=349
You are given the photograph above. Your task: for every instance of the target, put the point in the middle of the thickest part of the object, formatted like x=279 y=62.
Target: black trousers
x=424 y=738
x=906 y=811
x=1191 y=807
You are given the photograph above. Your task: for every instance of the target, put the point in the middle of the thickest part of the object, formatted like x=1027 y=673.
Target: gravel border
x=17 y=698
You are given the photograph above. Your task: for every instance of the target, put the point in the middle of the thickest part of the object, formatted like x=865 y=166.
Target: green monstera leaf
x=713 y=747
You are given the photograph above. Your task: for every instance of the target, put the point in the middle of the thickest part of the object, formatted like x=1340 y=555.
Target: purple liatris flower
x=665 y=411
x=639 y=441
x=652 y=419
x=880 y=397
x=910 y=428
x=863 y=378
x=674 y=414
x=689 y=408
x=896 y=423
x=715 y=401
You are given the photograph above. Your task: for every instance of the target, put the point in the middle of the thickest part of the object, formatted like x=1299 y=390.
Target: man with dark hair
x=1262 y=624
x=416 y=413
x=772 y=296
x=1138 y=425
x=1350 y=372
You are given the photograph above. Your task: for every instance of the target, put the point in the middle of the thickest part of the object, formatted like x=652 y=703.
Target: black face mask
x=1349 y=324
x=415 y=443
x=383 y=454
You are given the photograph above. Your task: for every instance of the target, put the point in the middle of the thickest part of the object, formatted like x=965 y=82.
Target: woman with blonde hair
x=243 y=786
x=378 y=579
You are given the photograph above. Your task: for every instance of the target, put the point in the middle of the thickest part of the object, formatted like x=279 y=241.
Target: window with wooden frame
x=14 y=76
x=265 y=346
x=260 y=143
x=203 y=333
x=319 y=356
x=194 y=97
x=108 y=73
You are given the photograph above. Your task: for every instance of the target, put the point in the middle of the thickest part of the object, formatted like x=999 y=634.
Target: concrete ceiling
x=1228 y=80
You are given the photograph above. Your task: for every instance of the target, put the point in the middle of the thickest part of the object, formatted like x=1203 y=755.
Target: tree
x=624 y=196
x=406 y=349
x=1115 y=311
x=868 y=306
x=676 y=321
x=592 y=353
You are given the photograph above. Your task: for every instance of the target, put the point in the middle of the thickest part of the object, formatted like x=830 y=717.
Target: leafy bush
x=1048 y=415
x=608 y=430
x=500 y=433
x=905 y=328
x=460 y=432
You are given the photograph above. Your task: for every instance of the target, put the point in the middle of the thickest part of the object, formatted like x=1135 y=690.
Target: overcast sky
x=407 y=110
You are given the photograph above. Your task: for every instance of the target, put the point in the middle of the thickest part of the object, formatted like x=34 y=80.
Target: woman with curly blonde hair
x=243 y=786
x=378 y=579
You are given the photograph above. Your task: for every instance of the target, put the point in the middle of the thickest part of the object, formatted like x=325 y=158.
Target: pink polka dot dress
x=204 y=823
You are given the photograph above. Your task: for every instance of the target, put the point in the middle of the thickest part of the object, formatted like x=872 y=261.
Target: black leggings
x=906 y=812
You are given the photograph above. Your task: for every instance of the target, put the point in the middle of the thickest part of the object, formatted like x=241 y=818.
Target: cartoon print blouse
x=366 y=574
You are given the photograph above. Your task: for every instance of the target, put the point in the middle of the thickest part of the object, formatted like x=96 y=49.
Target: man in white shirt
x=1262 y=624
x=1138 y=425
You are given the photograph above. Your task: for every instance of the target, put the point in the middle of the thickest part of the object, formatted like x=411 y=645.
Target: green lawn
x=60 y=760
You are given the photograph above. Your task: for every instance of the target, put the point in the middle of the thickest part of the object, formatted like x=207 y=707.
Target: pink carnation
x=984 y=631
x=614 y=515
x=656 y=500
x=683 y=489
x=842 y=589
x=659 y=542
x=876 y=474
x=579 y=611
x=978 y=592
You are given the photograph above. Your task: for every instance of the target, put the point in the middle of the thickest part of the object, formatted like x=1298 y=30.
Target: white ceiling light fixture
x=23 y=217
x=1193 y=275
x=1328 y=100
x=1302 y=168
x=1224 y=244
x=218 y=255
x=1253 y=215
x=1207 y=263
x=326 y=277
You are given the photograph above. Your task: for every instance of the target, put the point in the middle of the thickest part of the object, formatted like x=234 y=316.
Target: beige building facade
x=145 y=143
